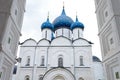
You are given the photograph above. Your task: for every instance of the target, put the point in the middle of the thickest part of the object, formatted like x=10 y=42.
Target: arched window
x=78 y=33
x=42 y=61
x=81 y=61
x=62 y=31
x=81 y=78
x=60 y=62
x=59 y=77
x=69 y=34
x=41 y=77
x=45 y=34
x=27 y=77
x=28 y=61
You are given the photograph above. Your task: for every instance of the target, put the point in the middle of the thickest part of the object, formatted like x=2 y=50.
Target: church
x=62 y=53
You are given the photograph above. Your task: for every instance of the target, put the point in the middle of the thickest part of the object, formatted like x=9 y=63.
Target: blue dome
x=62 y=21
x=77 y=24
x=96 y=59
x=47 y=24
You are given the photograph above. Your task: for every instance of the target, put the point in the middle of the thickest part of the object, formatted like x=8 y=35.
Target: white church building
x=61 y=54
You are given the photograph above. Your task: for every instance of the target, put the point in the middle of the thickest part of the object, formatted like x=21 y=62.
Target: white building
x=61 y=54
x=11 y=18
x=108 y=16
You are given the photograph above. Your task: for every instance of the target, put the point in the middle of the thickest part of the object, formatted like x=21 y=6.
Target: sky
x=36 y=13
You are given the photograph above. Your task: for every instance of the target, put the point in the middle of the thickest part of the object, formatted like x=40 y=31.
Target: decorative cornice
x=27 y=40
x=26 y=67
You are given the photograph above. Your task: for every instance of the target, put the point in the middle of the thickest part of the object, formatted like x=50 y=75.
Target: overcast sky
x=37 y=11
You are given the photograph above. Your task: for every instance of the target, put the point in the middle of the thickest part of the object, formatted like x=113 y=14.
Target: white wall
x=47 y=34
x=64 y=32
x=51 y=51
x=77 y=33
x=98 y=71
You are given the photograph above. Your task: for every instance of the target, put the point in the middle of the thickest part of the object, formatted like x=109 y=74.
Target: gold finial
x=76 y=13
x=48 y=15
x=63 y=4
x=76 y=16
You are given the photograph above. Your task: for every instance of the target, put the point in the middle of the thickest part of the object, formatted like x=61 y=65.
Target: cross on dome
x=48 y=17
x=76 y=17
x=63 y=11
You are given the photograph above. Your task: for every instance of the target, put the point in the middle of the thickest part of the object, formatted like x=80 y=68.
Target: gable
x=61 y=41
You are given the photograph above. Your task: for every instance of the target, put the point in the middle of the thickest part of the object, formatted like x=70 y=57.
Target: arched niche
x=59 y=77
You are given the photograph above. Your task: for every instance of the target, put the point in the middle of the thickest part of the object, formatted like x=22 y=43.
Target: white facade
x=11 y=17
x=108 y=16
x=98 y=71
x=67 y=56
x=59 y=47
x=77 y=33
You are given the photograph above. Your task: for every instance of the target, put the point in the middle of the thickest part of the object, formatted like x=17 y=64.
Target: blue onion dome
x=77 y=24
x=62 y=21
x=47 y=24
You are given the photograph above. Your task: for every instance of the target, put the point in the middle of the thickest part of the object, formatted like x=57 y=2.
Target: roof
x=47 y=24
x=77 y=24
x=28 y=40
x=96 y=59
x=62 y=21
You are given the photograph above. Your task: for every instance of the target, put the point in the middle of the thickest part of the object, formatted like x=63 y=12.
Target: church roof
x=28 y=40
x=96 y=59
x=83 y=39
x=77 y=24
x=62 y=21
x=47 y=24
